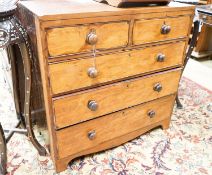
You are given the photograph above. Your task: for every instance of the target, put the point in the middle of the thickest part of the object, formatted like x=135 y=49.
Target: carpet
x=184 y=149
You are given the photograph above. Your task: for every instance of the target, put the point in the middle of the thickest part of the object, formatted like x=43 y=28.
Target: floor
x=200 y=72
x=207 y=62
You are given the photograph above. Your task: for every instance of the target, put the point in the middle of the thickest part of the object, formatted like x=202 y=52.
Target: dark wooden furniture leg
x=3 y=152
x=188 y=54
x=13 y=34
x=16 y=80
x=26 y=55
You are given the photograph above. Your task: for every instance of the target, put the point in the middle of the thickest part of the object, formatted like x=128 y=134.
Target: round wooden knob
x=151 y=113
x=92 y=38
x=157 y=87
x=92 y=72
x=91 y=135
x=160 y=57
x=165 y=29
x=93 y=105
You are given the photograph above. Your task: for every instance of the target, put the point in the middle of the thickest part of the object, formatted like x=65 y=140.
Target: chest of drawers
x=108 y=74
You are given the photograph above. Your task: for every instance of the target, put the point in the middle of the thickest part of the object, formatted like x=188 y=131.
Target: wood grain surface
x=70 y=40
x=73 y=108
x=71 y=75
x=63 y=9
x=112 y=126
x=146 y=31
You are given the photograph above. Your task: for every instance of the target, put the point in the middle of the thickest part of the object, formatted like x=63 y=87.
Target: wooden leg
x=3 y=152
x=179 y=104
x=165 y=124
x=13 y=55
x=25 y=53
x=62 y=164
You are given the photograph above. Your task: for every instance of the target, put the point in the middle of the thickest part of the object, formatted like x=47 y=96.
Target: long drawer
x=72 y=75
x=146 y=31
x=93 y=133
x=80 y=38
x=85 y=105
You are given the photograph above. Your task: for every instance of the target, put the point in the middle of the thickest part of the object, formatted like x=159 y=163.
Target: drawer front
x=90 y=104
x=93 y=133
x=72 y=75
x=146 y=31
x=70 y=40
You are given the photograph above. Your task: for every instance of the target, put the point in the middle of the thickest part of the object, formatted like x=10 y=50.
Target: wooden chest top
x=66 y=9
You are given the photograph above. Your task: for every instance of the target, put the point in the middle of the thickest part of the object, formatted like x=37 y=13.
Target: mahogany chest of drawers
x=108 y=74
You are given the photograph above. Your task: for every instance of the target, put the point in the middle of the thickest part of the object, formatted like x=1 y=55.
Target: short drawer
x=80 y=38
x=93 y=133
x=146 y=31
x=72 y=75
x=85 y=105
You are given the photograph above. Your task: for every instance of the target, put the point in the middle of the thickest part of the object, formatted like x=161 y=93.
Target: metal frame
x=16 y=35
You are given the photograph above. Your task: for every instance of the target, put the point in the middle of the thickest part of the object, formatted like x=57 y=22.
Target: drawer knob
x=93 y=105
x=151 y=113
x=157 y=87
x=91 y=135
x=160 y=57
x=92 y=72
x=165 y=29
x=92 y=38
